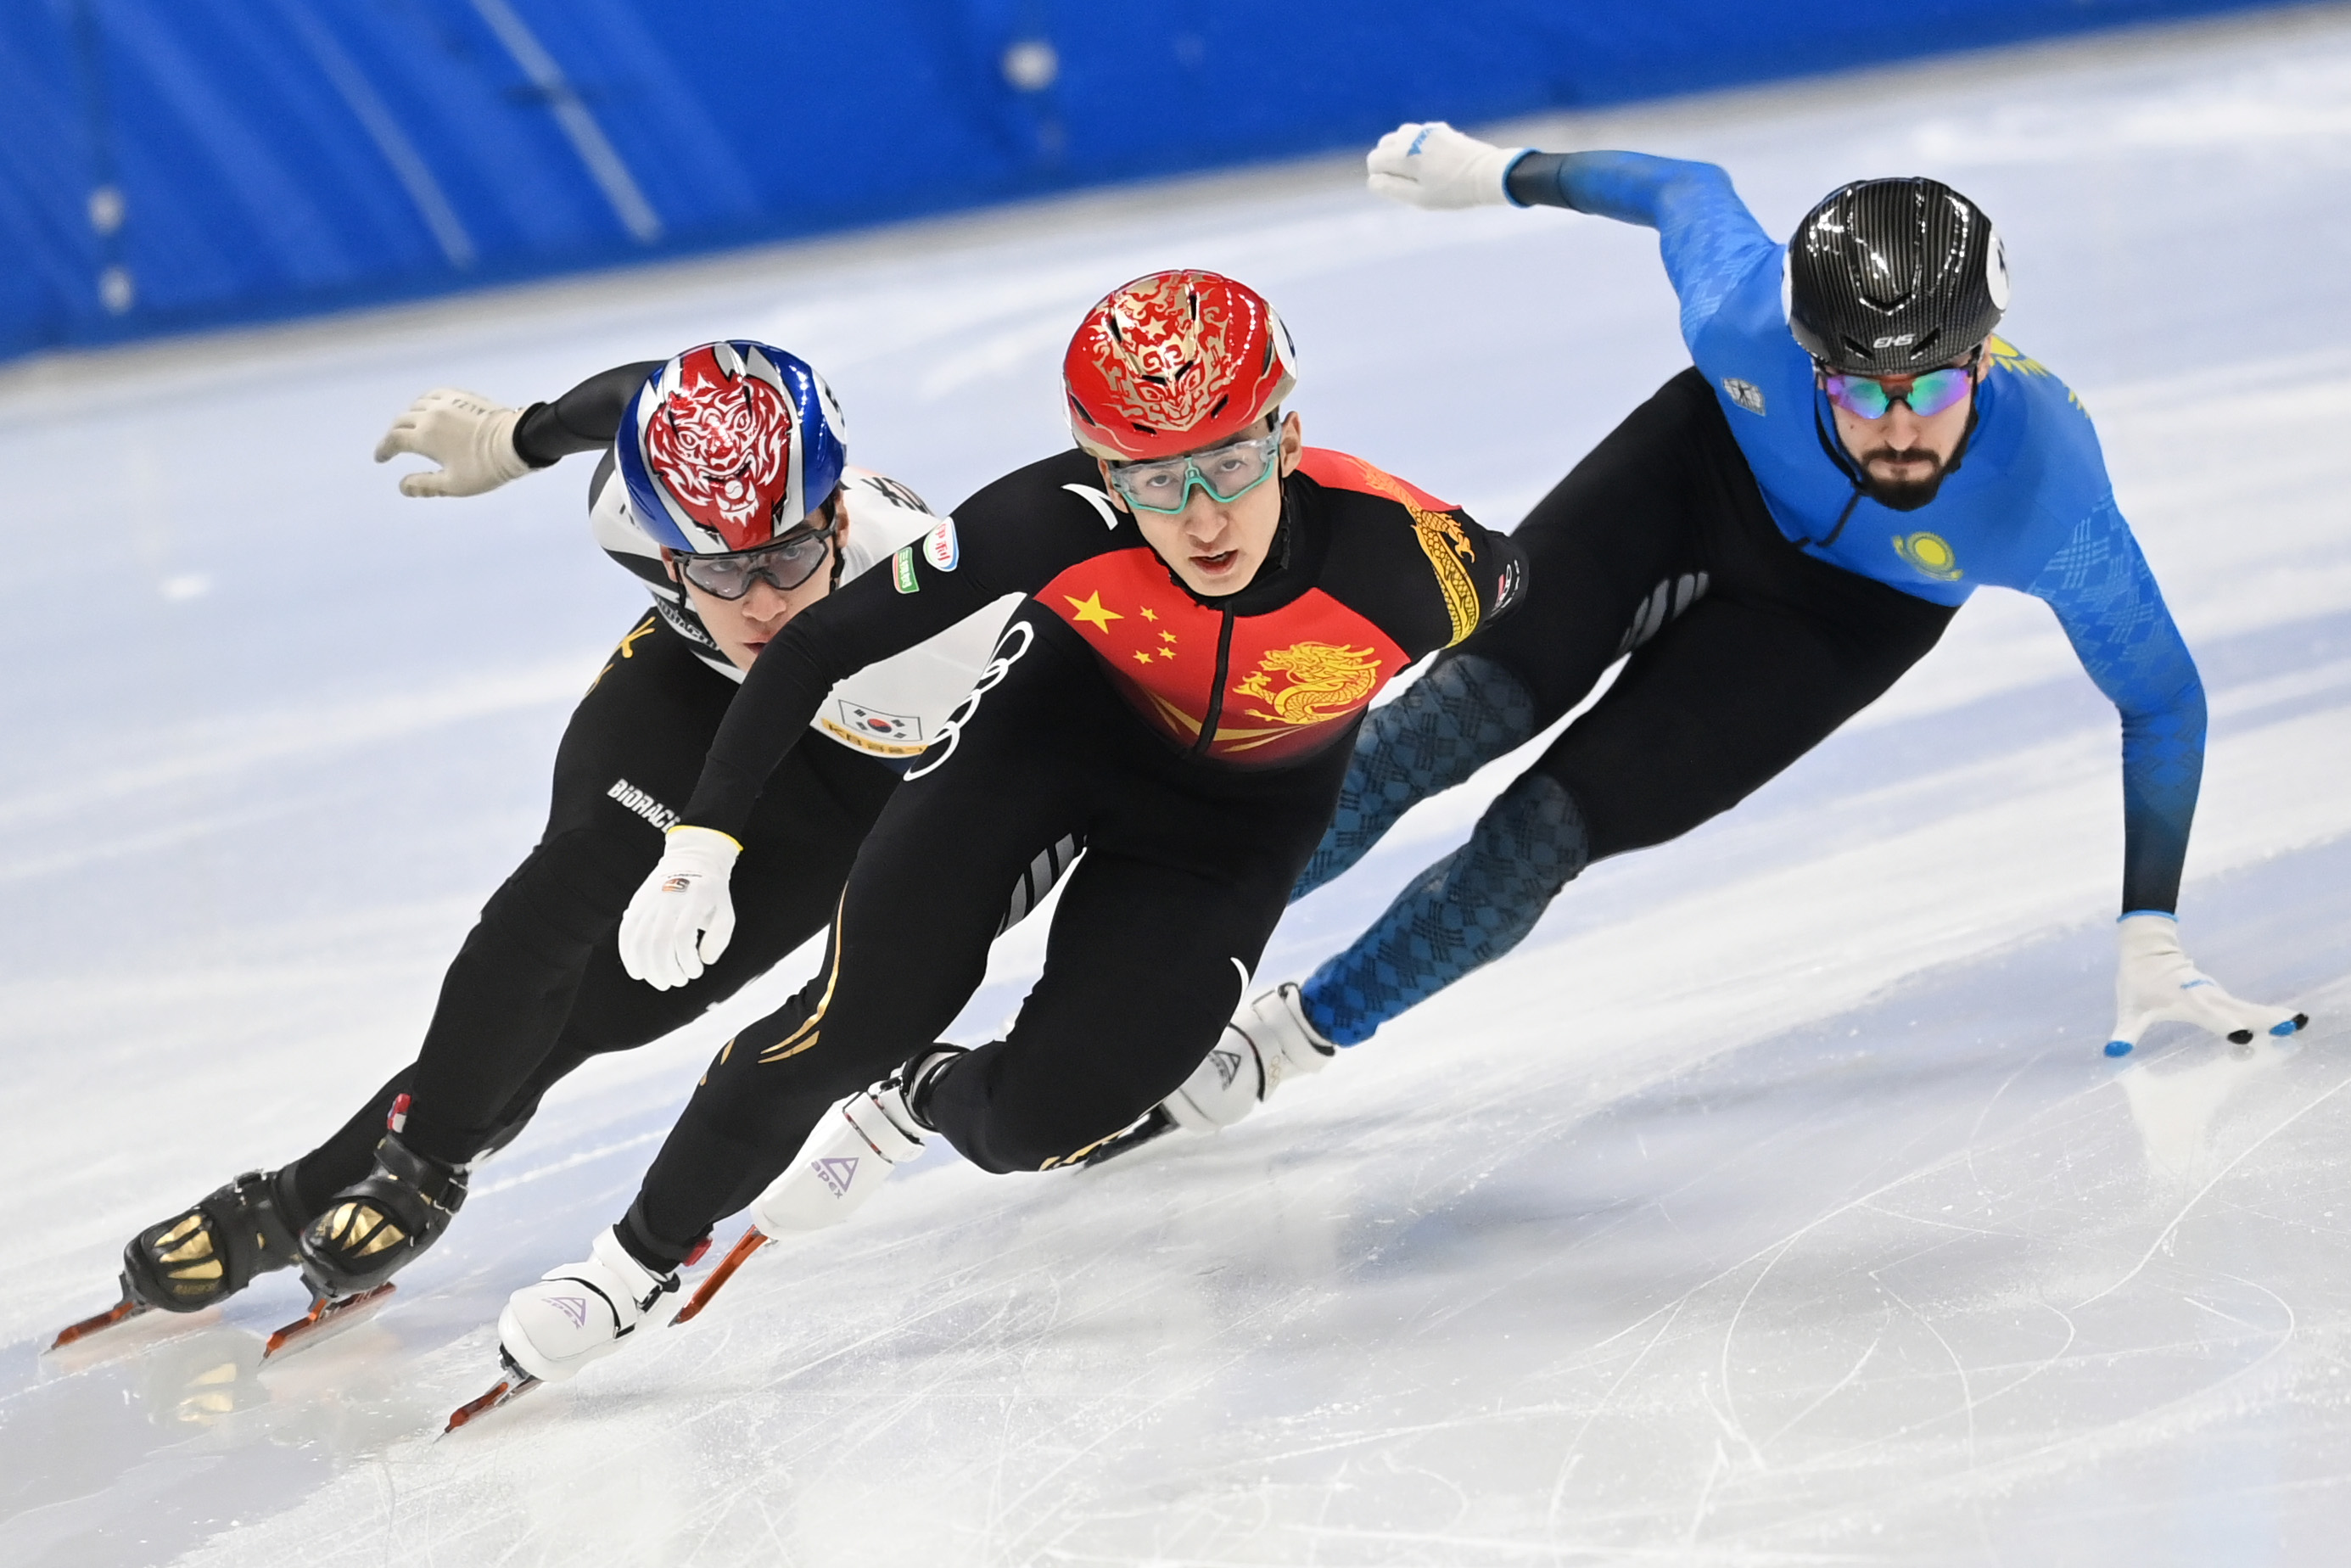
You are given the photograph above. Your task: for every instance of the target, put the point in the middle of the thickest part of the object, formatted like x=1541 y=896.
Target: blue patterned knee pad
x=1467 y=910
x=1463 y=713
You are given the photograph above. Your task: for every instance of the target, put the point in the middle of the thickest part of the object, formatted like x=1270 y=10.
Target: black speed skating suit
x=538 y=988
x=1196 y=745
x=1742 y=653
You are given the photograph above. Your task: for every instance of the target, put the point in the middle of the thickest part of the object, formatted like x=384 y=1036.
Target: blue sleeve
x=1710 y=241
x=2107 y=601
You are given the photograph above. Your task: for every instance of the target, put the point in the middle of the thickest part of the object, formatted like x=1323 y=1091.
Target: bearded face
x=721 y=443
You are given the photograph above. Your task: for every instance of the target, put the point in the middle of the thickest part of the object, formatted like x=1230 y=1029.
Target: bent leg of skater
x=924 y=902
x=1144 y=965
x=538 y=988
x=1699 y=720
x=1613 y=555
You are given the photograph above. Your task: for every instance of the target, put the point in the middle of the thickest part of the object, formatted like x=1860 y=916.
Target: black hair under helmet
x=1895 y=276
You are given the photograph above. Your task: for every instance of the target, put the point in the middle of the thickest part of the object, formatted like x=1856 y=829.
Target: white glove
x=470 y=436
x=1268 y=1041
x=1436 y=166
x=682 y=918
x=2155 y=981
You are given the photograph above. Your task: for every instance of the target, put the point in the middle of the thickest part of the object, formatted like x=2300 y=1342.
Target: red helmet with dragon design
x=1173 y=363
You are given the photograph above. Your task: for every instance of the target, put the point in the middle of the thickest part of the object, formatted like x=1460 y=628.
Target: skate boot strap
x=441 y=1186
x=407 y=1195
x=913 y=1084
x=375 y=1227
x=1287 y=1044
x=615 y=1275
x=881 y=1124
x=606 y=1287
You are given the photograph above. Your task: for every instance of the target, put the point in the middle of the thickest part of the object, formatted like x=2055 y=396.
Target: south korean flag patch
x=893 y=730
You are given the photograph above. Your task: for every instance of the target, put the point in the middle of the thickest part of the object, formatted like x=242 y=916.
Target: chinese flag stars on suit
x=1168 y=640
x=1089 y=611
x=1291 y=670
x=1140 y=635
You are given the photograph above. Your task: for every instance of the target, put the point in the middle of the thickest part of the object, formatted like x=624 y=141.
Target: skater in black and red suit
x=1211 y=607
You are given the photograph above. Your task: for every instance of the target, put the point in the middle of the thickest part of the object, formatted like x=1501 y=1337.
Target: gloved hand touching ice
x=2156 y=981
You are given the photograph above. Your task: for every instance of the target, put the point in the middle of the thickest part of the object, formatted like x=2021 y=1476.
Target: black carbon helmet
x=1893 y=276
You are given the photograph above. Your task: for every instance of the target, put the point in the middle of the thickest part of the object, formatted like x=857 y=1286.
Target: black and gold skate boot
x=378 y=1225
x=211 y=1250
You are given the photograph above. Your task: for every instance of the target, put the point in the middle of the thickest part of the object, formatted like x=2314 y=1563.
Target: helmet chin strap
x=1837 y=455
x=833 y=517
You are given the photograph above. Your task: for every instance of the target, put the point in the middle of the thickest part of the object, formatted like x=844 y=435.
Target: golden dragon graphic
x=1326 y=680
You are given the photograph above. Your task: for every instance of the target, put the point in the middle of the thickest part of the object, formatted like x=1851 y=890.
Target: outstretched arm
x=481 y=444
x=1709 y=240
x=862 y=622
x=584 y=418
x=1011 y=537
x=2107 y=601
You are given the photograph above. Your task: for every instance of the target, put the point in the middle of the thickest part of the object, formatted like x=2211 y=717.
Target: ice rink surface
x=1773 y=1204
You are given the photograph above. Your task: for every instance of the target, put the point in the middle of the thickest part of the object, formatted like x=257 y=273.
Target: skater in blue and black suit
x=1768 y=543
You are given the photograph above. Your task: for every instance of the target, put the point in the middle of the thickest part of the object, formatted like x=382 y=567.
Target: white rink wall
x=1773 y=1204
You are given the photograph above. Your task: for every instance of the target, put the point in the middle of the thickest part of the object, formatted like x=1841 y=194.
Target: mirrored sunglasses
x=1925 y=395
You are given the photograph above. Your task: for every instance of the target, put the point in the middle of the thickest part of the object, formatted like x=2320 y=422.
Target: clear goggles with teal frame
x=1226 y=472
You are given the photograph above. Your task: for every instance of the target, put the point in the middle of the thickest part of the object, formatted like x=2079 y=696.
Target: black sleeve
x=1013 y=537
x=1428 y=579
x=581 y=420
x=1512 y=572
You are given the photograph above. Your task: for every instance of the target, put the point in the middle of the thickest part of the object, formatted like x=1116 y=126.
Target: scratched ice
x=1775 y=1204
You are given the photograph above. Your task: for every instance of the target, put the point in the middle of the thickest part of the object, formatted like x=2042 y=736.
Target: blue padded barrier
x=167 y=164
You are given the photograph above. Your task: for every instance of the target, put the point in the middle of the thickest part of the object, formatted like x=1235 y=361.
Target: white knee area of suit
x=845 y=1162
x=1268 y=1041
x=584 y=1311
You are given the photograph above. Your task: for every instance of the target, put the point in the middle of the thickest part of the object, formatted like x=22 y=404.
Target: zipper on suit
x=1216 y=692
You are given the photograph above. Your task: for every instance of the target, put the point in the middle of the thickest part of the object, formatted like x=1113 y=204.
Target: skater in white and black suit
x=1768 y=544
x=725 y=487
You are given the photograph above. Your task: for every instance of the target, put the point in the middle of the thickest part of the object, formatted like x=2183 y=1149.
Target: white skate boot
x=582 y=1312
x=848 y=1156
x=1268 y=1041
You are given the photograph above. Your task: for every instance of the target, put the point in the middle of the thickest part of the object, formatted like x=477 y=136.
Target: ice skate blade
x=326 y=1316
x=1152 y=1128
x=123 y=1312
x=511 y=1388
x=753 y=1239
